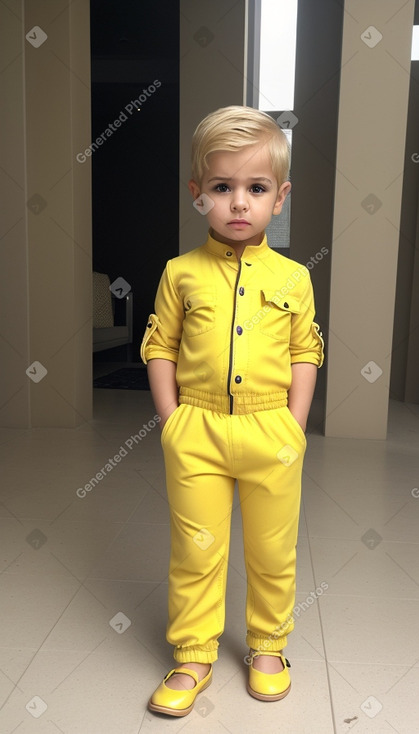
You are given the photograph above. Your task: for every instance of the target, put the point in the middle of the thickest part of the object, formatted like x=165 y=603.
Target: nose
x=239 y=201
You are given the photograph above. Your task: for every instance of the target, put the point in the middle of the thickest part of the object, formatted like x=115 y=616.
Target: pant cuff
x=256 y=642
x=198 y=654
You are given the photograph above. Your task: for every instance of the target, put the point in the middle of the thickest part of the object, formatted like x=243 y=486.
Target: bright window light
x=277 y=54
x=415 y=43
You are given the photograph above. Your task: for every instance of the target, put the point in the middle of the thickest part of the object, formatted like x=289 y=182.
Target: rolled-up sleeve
x=164 y=327
x=306 y=343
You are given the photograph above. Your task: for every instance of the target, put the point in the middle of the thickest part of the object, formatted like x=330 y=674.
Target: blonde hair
x=232 y=128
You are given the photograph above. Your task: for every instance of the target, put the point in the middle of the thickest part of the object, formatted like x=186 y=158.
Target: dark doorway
x=135 y=148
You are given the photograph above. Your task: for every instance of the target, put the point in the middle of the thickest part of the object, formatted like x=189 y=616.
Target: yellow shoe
x=269 y=686
x=178 y=703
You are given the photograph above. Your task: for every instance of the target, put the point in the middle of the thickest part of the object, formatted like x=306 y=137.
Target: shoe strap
x=187 y=671
x=255 y=653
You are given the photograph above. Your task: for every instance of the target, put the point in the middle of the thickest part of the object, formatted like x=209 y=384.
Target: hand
x=165 y=415
x=301 y=391
x=162 y=379
x=302 y=422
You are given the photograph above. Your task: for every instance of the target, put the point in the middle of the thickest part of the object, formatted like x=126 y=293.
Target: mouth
x=239 y=221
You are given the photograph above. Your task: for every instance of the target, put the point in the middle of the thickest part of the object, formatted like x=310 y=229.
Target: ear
x=283 y=192
x=194 y=189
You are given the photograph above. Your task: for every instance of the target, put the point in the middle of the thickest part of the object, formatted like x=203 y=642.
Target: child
x=232 y=354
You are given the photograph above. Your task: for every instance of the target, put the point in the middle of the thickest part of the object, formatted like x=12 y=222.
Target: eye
x=222 y=188
x=257 y=189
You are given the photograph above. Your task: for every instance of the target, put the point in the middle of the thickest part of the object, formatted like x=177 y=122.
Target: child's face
x=245 y=193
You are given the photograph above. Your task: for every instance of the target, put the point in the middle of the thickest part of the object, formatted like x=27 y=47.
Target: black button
x=241 y=291
x=239 y=330
x=238 y=379
x=286 y=305
x=149 y=325
x=228 y=253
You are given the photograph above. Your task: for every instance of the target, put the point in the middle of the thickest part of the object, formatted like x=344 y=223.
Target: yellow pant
x=205 y=451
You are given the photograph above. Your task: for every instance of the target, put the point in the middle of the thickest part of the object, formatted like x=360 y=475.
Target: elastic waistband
x=241 y=403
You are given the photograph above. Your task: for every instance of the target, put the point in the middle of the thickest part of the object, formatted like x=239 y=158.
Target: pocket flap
x=285 y=303
x=199 y=308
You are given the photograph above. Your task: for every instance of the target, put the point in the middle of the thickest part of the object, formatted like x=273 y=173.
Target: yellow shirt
x=234 y=328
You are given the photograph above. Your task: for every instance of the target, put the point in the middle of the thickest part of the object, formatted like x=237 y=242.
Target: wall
x=412 y=373
x=374 y=89
x=14 y=386
x=212 y=59
x=46 y=254
x=46 y=261
x=313 y=173
x=405 y=349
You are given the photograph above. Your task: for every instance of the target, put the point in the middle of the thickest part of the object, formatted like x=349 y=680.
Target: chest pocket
x=278 y=311
x=199 y=311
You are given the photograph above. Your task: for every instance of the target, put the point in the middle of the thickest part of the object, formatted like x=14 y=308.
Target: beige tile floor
x=83 y=586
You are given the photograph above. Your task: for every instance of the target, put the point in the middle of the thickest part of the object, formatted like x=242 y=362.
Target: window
x=278 y=36
x=272 y=34
x=415 y=43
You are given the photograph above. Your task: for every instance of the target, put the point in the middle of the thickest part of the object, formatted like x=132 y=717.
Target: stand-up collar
x=251 y=252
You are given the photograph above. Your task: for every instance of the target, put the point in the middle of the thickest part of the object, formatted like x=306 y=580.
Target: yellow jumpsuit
x=234 y=328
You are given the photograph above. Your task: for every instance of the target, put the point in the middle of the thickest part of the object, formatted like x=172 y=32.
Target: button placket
x=239 y=315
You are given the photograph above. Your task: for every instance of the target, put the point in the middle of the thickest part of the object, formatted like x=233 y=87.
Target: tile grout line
x=332 y=708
